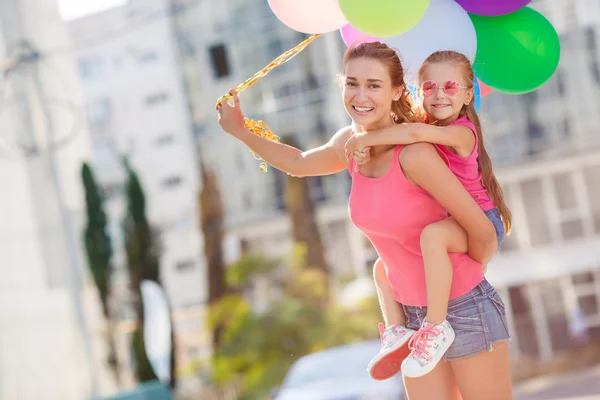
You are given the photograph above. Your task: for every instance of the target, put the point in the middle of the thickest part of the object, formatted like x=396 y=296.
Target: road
x=580 y=385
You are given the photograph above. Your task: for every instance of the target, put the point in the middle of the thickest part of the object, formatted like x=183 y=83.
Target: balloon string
x=260 y=128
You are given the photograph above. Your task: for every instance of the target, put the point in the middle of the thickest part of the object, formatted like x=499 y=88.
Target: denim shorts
x=478 y=319
x=494 y=216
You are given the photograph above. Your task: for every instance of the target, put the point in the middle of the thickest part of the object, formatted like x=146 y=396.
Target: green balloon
x=516 y=53
x=383 y=18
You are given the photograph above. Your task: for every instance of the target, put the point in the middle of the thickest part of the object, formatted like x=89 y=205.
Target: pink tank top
x=466 y=169
x=392 y=212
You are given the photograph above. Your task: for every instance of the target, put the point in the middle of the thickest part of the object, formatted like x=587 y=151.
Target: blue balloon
x=413 y=91
x=476 y=94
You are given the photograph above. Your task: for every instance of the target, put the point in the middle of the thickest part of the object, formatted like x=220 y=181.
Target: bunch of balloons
x=514 y=49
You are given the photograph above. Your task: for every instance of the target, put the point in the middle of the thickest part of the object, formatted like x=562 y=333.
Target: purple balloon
x=492 y=8
x=353 y=36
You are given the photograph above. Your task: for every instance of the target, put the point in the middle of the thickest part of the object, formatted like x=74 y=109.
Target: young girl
x=446 y=83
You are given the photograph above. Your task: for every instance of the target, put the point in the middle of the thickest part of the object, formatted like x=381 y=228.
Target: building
x=135 y=106
x=50 y=319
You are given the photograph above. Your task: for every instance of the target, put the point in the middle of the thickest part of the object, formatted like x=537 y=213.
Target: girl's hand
x=231 y=117
x=355 y=144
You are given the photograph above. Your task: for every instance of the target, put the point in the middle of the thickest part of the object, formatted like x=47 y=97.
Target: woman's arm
x=423 y=165
x=459 y=137
x=323 y=160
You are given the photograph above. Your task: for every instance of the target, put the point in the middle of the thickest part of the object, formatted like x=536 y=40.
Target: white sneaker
x=427 y=346
x=394 y=349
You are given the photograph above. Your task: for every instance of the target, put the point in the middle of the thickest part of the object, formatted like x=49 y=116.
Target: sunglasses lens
x=429 y=88
x=451 y=88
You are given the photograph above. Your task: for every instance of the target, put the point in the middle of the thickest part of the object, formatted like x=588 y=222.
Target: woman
x=396 y=194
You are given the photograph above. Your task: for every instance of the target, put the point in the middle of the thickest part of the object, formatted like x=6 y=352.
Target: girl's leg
x=484 y=376
x=439 y=384
x=392 y=311
x=437 y=240
x=436 y=335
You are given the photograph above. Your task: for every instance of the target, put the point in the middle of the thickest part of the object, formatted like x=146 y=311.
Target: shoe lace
x=419 y=343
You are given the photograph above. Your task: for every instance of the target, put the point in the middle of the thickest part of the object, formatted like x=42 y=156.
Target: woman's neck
x=376 y=125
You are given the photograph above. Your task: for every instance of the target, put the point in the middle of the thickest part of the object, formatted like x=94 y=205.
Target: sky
x=72 y=9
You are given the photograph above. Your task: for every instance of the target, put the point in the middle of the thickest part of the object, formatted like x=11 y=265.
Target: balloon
x=492 y=8
x=383 y=18
x=516 y=53
x=425 y=38
x=353 y=36
x=483 y=88
x=476 y=94
x=413 y=92
x=309 y=16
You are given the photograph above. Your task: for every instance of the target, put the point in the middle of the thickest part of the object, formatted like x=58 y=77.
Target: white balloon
x=445 y=26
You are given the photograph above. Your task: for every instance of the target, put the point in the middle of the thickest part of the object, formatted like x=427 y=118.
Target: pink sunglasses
x=451 y=88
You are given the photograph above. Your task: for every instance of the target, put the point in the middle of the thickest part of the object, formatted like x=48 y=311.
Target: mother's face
x=368 y=92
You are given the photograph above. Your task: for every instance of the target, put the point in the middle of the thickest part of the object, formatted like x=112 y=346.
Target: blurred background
x=127 y=211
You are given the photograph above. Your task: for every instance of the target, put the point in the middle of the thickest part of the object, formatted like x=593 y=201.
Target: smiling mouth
x=440 y=105
x=362 y=110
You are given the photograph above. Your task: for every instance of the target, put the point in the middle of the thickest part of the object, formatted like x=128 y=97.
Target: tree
x=257 y=348
x=99 y=254
x=212 y=215
x=143 y=253
x=301 y=210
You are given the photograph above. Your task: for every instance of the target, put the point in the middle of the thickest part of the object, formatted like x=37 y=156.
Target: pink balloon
x=309 y=16
x=484 y=89
x=353 y=36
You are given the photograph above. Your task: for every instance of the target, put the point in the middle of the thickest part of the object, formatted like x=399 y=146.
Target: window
x=564 y=191
x=218 y=56
x=566 y=127
x=90 y=68
x=172 y=181
x=537 y=219
x=560 y=83
x=98 y=114
x=185 y=265
x=165 y=139
x=275 y=48
x=147 y=57
x=590 y=39
x=111 y=190
x=156 y=98
x=592 y=183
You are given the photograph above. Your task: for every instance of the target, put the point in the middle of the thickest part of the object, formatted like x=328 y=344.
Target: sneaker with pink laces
x=427 y=347
x=394 y=349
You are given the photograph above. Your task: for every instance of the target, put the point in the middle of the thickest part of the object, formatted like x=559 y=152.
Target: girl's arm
x=323 y=160
x=423 y=166
x=458 y=137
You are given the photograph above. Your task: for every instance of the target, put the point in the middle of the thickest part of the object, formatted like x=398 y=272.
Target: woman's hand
x=361 y=157
x=231 y=117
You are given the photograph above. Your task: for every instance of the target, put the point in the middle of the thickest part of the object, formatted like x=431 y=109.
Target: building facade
x=127 y=59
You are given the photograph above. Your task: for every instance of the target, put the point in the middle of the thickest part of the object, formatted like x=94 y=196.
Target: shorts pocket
x=467 y=318
x=498 y=303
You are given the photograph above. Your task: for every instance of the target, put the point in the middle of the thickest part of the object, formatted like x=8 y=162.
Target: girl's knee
x=434 y=235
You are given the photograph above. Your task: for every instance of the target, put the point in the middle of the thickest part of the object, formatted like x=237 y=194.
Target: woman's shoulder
x=341 y=136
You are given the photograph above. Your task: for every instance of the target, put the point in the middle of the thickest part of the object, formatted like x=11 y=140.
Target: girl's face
x=444 y=92
x=368 y=92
